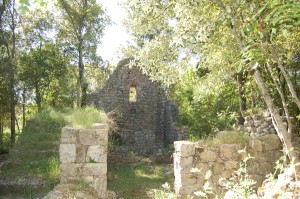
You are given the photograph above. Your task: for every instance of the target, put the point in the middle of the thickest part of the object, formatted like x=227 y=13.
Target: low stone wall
x=83 y=156
x=222 y=161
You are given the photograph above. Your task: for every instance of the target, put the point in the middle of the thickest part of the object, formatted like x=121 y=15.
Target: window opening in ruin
x=132 y=94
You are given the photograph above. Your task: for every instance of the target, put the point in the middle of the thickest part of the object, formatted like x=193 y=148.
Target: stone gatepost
x=185 y=183
x=83 y=156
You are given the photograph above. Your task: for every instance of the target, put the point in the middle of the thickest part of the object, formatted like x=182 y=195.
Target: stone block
x=96 y=153
x=218 y=168
x=183 y=161
x=69 y=135
x=83 y=195
x=183 y=191
x=208 y=156
x=229 y=151
x=93 y=136
x=256 y=145
x=81 y=153
x=100 y=126
x=204 y=167
x=231 y=165
x=68 y=169
x=227 y=174
x=184 y=148
x=89 y=179
x=270 y=142
x=67 y=153
x=94 y=169
x=186 y=179
x=252 y=166
x=265 y=168
x=100 y=184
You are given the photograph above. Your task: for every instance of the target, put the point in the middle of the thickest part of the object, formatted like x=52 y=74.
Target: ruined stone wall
x=222 y=161
x=83 y=156
x=146 y=124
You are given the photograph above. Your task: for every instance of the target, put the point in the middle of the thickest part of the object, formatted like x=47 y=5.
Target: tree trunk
x=81 y=75
x=1 y=130
x=276 y=82
x=24 y=107
x=241 y=91
x=38 y=97
x=282 y=132
x=252 y=97
x=286 y=77
x=12 y=77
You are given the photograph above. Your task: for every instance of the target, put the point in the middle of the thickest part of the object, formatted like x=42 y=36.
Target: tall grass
x=85 y=117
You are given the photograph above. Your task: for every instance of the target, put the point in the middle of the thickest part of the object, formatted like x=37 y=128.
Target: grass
x=130 y=182
x=36 y=151
x=85 y=117
x=226 y=138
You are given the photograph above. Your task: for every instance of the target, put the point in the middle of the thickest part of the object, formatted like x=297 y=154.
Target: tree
x=8 y=25
x=41 y=68
x=80 y=32
x=231 y=37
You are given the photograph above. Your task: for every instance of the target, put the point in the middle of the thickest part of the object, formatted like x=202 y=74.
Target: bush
x=5 y=142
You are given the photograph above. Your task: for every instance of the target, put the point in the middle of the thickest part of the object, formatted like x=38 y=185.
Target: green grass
x=85 y=117
x=130 y=182
x=226 y=138
x=36 y=151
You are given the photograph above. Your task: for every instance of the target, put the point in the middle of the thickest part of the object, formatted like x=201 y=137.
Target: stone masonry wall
x=146 y=124
x=83 y=156
x=222 y=161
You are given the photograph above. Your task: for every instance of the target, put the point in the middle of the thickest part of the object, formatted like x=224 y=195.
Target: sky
x=115 y=35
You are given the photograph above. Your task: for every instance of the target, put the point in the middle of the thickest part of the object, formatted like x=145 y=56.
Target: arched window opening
x=132 y=94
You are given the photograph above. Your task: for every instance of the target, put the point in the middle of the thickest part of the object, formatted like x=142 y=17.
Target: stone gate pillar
x=83 y=156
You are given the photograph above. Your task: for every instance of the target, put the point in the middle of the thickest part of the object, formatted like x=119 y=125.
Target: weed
x=81 y=184
x=165 y=192
x=241 y=182
x=92 y=160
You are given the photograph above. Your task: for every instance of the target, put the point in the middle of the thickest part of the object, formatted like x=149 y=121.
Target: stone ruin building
x=146 y=119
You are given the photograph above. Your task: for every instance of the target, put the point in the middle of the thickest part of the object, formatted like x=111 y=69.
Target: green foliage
x=222 y=36
x=53 y=169
x=205 y=111
x=165 y=192
x=5 y=141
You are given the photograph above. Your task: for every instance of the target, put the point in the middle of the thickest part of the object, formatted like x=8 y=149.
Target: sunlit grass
x=86 y=117
x=131 y=182
x=226 y=138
